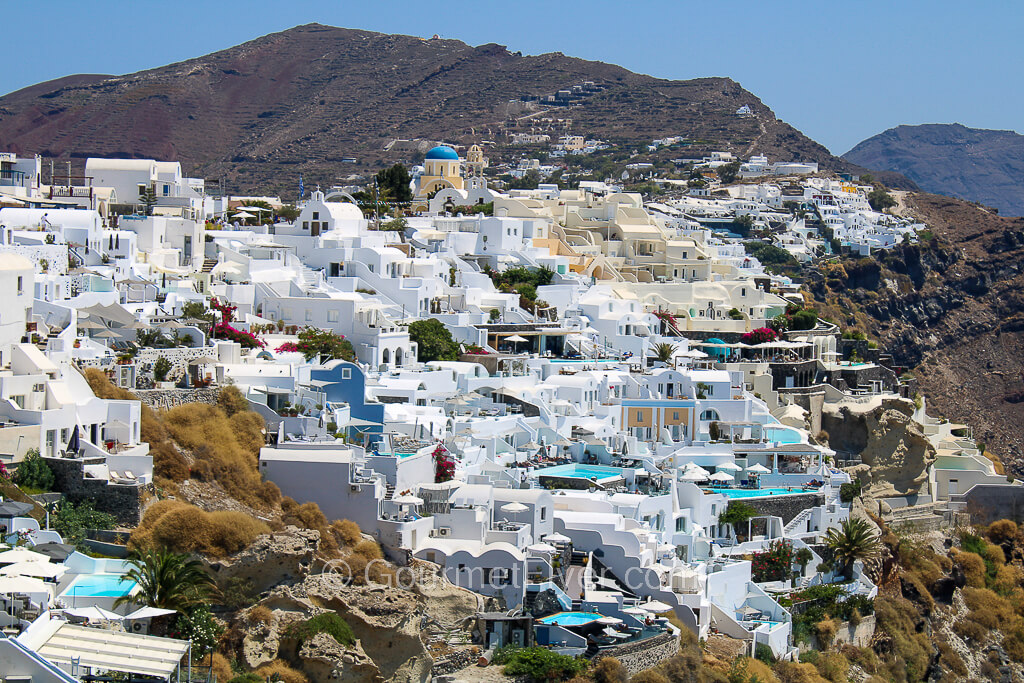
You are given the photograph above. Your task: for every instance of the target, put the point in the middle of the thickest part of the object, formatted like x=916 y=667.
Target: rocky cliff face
x=984 y=166
x=895 y=452
x=950 y=308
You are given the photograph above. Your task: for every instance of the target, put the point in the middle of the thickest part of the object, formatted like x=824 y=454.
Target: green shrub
x=539 y=663
x=330 y=623
x=764 y=653
x=34 y=473
x=849 y=491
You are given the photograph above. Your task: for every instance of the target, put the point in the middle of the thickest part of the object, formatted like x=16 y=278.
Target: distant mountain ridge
x=314 y=98
x=985 y=166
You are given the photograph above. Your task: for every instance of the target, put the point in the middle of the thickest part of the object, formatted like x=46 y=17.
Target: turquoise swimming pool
x=759 y=493
x=570 y=618
x=782 y=435
x=577 y=471
x=99 y=586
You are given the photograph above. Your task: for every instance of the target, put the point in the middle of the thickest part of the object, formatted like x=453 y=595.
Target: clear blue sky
x=840 y=72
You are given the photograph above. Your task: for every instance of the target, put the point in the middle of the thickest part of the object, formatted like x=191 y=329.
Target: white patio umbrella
x=515 y=338
x=655 y=606
x=22 y=584
x=693 y=476
x=697 y=469
x=408 y=500
x=21 y=555
x=44 y=570
x=542 y=548
x=611 y=621
x=557 y=538
x=148 y=613
x=729 y=467
x=759 y=469
x=530 y=446
x=514 y=507
x=94 y=613
x=721 y=476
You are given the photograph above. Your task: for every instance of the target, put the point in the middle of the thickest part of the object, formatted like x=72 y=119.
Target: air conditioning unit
x=39 y=388
x=444 y=531
x=354 y=488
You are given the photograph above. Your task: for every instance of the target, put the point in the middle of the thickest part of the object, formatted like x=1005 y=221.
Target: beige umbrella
x=514 y=507
x=21 y=555
x=43 y=570
x=107 y=334
x=90 y=325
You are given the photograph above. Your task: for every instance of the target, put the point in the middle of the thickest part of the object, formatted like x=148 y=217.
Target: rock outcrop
x=894 y=451
x=390 y=625
x=272 y=559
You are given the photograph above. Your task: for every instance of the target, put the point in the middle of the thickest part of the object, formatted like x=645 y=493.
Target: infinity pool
x=570 y=618
x=759 y=493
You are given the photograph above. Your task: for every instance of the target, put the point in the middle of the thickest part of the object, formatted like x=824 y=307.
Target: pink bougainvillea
x=444 y=466
x=225 y=330
x=759 y=336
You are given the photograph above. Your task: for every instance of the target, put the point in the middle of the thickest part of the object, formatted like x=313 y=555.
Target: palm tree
x=664 y=352
x=168 y=580
x=853 y=540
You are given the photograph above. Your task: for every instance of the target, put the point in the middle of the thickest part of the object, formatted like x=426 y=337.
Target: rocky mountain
x=951 y=309
x=985 y=166
x=325 y=101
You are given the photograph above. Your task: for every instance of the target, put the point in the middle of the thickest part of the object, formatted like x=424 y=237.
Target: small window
x=639 y=416
x=21 y=285
x=309 y=315
x=332 y=316
x=462 y=567
x=675 y=415
x=316 y=215
x=346 y=373
x=305 y=225
x=543 y=513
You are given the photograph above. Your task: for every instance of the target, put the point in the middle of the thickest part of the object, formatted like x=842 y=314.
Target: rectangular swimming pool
x=570 y=618
x=577 y=471
x=760 y=493
x=99 y=586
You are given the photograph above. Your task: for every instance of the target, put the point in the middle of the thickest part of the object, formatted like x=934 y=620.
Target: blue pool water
x=759 y=493
x=581 y=471
x=571 y=618
x=100 y=586
x=782 y=434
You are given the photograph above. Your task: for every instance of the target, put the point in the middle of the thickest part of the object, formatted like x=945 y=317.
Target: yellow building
x=442 y=170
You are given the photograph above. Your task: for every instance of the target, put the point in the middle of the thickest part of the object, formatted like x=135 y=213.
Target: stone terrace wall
x=787 y=507
x=124 y=502
x=161 y=399
x=644 y=654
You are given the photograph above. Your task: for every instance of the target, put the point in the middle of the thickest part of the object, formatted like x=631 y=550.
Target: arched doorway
x=386 y=356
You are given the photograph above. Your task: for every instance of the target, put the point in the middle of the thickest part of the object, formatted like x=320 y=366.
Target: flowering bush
x=773 y=564
x=476 y=350
x=4 y=474
x=314 y=341
x=759 y=336
x=225 y=330
x=667 y=320
x=444 y=466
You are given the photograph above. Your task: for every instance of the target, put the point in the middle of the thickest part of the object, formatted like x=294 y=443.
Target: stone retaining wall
x=460 y=659
x=644 y=654
x=123 y=502
x=847 y=634
x=162 y=399
x=787 y=507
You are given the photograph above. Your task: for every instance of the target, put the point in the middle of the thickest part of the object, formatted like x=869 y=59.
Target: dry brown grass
x=347 y=531
x=280 y=671
x=973 y=567
x=1002 y=532
x=648 y=676
x=260 y=614
x=794 y=672
x=833 y=666
x=221 y=667
x=761 y=671
x=183 y=527
x=225 y=449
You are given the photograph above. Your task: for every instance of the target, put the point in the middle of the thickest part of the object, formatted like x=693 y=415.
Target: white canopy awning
x=104 y=650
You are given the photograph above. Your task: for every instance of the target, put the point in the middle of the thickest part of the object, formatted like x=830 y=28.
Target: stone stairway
x=208 y=265
x=389 y=492
x=798 y=524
